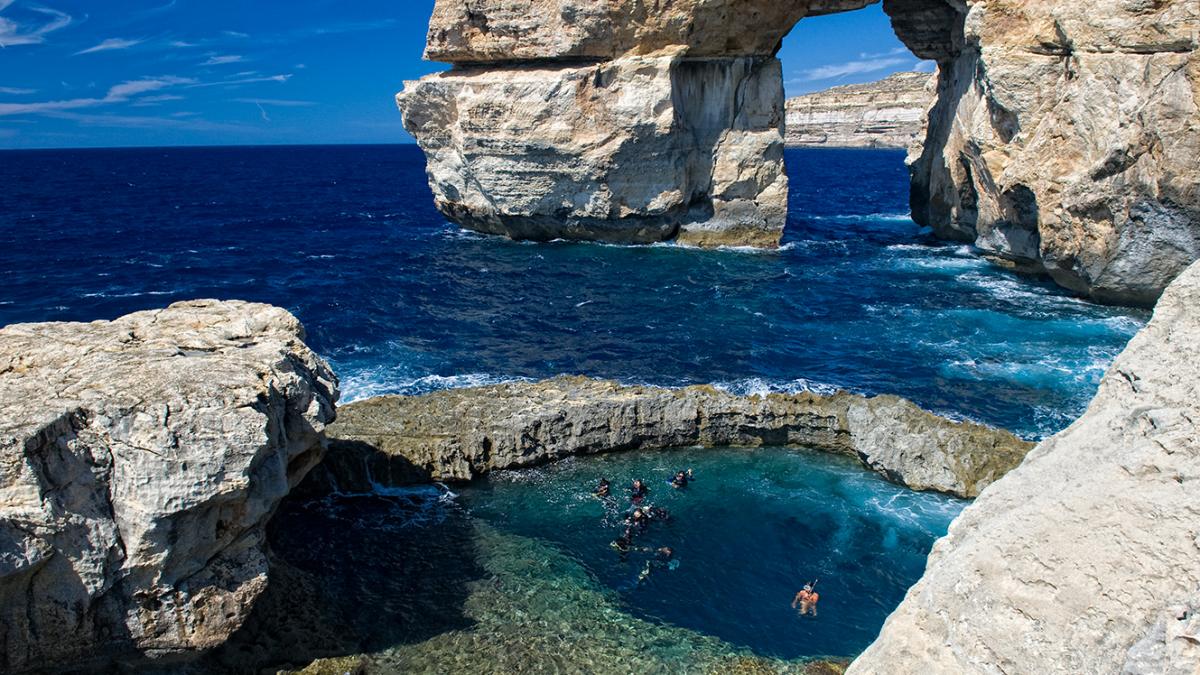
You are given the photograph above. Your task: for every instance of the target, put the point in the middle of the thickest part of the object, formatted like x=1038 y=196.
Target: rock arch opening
x=1061 y=140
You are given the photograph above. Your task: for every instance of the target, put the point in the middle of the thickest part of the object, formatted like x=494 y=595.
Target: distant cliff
x=889 y=113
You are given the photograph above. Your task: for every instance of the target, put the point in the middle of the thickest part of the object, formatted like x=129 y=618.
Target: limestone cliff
x=615 y=121
x=139 y=461
x=889 y=113
x=1062 y=139
x=1086 y=558
x=463 y=433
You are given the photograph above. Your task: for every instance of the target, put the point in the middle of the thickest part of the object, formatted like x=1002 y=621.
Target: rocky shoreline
x=460 y=434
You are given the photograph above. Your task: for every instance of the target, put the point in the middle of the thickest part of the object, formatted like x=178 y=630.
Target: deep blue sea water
x=400 y=301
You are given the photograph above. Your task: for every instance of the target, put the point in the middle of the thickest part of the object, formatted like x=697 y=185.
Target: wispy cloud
x=148 y=101
x=181 y=44
x=148 y=122
x=16 y=91
x=120 y=93
x=109 y=45
x=245 y=80
x=282 y=103
x=235 y=34
x=925 y=66
x=838 y=70
x=13 y=34
x=222 y=60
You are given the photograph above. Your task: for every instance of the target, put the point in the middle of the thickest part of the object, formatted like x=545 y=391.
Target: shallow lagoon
x=517 y=568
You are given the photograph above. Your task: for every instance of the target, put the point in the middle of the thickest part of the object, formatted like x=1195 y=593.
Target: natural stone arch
x=1062 y=140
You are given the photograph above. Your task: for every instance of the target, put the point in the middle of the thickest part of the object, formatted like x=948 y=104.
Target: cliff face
x=889 y=113
x=139 y=461
x=1064 y=136
x=1086 y=558
x=616 y=121
x=1062 y=139
x=463 y=433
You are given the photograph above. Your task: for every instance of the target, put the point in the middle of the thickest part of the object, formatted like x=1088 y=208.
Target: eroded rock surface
x=462 y=433
x=1086 y=558
x=889 y=113
x=614 y=121
x=1063 y=140
x=139 y=461
x=1064 y=137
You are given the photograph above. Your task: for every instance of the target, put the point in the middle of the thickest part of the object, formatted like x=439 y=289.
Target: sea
x=518 y=566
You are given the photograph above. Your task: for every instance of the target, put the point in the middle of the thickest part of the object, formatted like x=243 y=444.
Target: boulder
x=139 y=461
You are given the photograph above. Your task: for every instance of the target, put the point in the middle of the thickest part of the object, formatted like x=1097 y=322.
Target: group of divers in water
x=641 y=514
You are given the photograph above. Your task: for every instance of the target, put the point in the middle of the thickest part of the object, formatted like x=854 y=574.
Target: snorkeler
x=602 y=490
x=658 y=513
x=637 y=520
x=664 y=559
x=681 y=479
x=623 y=543
x=638 y=491
x=807 y=599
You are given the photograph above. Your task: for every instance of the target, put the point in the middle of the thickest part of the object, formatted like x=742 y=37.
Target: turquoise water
x=517 y=569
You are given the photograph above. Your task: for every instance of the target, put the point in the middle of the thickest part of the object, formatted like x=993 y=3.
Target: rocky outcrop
x=1086 y=558
x=889 y=113
x=1064 y=136
x=139 y=461
x=463 y=433
x=1062 y=140
x=616 y=121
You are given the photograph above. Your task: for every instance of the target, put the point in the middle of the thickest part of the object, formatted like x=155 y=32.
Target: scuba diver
x=664 y=559
x=637 y=520
x=638 y=491
x=603 y=489
x=807 y=599
x=658 y=513
x=623 y=544
x=681 y=479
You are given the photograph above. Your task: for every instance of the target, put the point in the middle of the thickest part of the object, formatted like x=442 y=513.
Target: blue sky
x=78 y=73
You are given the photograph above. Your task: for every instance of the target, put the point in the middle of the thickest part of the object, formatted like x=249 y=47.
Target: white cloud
x=246 y=80
x=182 y=44
x=925 y=66
x=109 y=45
x=235 y=34
x=838 y=70
x=119 y=93
x=13 y=34
x=16 y=91
x=222 y=60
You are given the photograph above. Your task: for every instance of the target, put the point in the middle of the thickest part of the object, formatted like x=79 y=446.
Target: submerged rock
x=1062 y=140
x=1086 y=558
x=462 y=433
x=139 y=461
x=889 y=113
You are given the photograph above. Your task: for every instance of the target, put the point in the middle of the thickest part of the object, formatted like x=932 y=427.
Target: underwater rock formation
x=1062 y=141
x=139 y=461
x=1086 y=557
x=889 y=113
x=462 y=433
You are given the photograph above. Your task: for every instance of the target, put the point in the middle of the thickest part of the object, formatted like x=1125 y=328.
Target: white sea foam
x=136 y=294
x=757 y=386
x=383 y=381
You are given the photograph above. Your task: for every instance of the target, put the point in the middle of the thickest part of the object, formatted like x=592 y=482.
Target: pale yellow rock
x=1086 y=557
x=139 y=462
x=889 y=113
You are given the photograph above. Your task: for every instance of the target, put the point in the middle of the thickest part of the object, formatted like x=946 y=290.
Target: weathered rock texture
x=1063 y=139
x=462 y=433
x=1086 y=558
x=139 y=461
x=889 y=113
x=615 y=121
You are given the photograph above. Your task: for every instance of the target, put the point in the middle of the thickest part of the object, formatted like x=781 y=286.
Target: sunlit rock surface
x=1062 y=140
x=139 y=462
x=889 y=113
x=1086 y=557
x=1065 y=136
x=462 y=433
